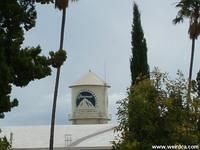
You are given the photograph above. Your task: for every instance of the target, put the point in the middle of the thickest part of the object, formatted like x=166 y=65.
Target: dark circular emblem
x=86 y=99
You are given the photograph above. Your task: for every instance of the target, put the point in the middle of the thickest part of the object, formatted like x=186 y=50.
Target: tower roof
x=90 y=79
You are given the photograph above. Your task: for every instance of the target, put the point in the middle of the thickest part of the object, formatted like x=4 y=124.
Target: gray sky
x=98 y=37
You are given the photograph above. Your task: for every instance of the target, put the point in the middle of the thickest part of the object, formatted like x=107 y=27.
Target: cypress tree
x=138 y=62
x=139 y=71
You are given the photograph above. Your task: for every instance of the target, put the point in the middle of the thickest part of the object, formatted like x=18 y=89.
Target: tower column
x=89 y=100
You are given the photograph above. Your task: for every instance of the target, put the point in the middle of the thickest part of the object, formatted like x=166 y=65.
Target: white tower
x=89 y=100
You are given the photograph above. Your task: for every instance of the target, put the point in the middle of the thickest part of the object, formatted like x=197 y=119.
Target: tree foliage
x=4 y=144
x=58 y=58
x=19 y=66
x=198 y=83
x=138 y=63
x=157 y=110
x=158 y=114
x=60 y=4
x=190 y=9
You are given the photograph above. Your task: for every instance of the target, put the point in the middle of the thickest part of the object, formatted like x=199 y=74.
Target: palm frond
x=61 y=4
x=178 y=19
x=189 y=9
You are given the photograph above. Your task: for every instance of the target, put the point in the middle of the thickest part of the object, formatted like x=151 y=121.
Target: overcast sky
x=98 y=37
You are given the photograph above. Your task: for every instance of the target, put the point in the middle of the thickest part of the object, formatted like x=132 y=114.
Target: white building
x=89 y=100
x=89 y=129
x=67 y=137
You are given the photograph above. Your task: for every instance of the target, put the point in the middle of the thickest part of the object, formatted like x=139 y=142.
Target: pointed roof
x=90 y=79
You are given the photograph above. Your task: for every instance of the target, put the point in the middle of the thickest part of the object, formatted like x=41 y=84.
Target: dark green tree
x=4 y=144
x=18 y=66
x=159 y=114
x=139 y=71
x=156 y=110
x=138 y=63
x=190 y=9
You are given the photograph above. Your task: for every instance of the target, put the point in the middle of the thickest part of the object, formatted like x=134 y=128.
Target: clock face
x=86 y=100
